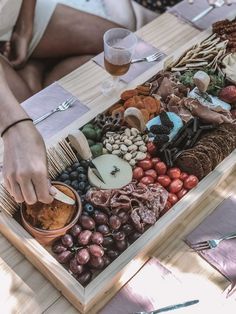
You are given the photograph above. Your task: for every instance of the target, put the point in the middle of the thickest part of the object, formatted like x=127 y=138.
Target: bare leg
x=17 y=85
x=72 y=32
x=33 y=74
x=65 y=67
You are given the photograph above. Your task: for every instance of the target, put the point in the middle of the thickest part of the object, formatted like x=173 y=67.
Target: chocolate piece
x=207 y=127
x=195 y=124
x=195 y=138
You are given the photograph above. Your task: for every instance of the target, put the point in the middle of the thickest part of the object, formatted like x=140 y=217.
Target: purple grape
x=64 y=257
x=87 y=222
x=96 y=250
x=127 y=229
x=124 y=217
x=122 y=245
x=75 y=267
x=108 y=242
x=104 y=229
x=96 y=262
x=106 y=260
x=97 y=238
x=75 y=230
x=58 y=248
x=82 y=256
x=134 y=236
x=67 y=240
x=114 y=222
x=84 y=278
x=84 y=237
x=113 y=254
x=119 y=235
x=100 y=217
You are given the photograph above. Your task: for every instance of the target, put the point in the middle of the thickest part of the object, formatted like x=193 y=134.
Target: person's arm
x=22 y=34
x=24 y=162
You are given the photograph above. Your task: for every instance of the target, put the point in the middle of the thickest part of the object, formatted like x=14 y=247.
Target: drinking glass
x=119 y=46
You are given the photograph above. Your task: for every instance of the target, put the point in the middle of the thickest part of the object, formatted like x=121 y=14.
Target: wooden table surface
x=24 y=290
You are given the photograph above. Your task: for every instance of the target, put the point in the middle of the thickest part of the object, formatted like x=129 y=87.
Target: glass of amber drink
x=119 y=46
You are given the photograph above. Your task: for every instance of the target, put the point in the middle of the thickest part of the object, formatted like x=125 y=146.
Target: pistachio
x=115 y=146
x=132 y=162
x=109 y=134
x=132 y=148
x=116 y=137
x=124 y=148
x=124 y=137
x=134 y=131
x=116 y=152
x=104 y=151
x=117 y=142
x=111 y=140
x=145 y=138
x=142 y=148
x=140 y=156
x=128 y=132
x=137 y=138
x=139 y=143
x=134 y=154
x=109 y=147
x=128 y=156
x=128 y=142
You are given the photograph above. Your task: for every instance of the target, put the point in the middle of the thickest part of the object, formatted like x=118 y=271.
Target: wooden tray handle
x=80 y=143
x=134 y=118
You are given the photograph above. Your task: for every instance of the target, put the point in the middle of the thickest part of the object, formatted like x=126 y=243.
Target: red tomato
x=174 y=173
x=155 y=160
x=175 y=186
x=181 y=193
x=190 y=182
x=172 y=198
x=145 y=164
x=160 y=167
x=151 y=148
x=183 y=176
x=166 y=208
x=147 y=180
x=148 y=156
x=164 y=180
x=151 y=173
x=138 y=173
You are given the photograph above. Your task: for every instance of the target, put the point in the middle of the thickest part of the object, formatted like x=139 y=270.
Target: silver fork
x=211 y=244
x=62 y=107
x=217 y=4
x=151 y=58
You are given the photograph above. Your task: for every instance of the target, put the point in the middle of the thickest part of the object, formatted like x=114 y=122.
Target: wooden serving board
x=91 y=298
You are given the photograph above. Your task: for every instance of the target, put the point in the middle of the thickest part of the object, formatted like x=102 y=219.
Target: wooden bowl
x=46 y=237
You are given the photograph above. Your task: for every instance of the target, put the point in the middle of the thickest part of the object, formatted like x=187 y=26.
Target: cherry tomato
x=145 y=164
x=138 y=173
x=147 y=180
x=151 y=173
x=148 y=156
x=151 y=148
x=155 y=160
x=172 y=198
x=181 y=193
x=174 y=173
x=164 y=180
x=175 y=186
x=190 y=182
x=166 y=208
x=160 y=167
x=183 y=176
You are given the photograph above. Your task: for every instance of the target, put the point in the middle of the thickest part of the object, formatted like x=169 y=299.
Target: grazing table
x=25 y=289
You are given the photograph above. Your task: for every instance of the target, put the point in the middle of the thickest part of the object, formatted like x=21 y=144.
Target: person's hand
x=25 y=166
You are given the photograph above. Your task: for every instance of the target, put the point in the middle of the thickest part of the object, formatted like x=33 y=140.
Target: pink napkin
x=143 y=49
x=152 y=287
x=187 y=12
x=48 y=99
x=220 y=222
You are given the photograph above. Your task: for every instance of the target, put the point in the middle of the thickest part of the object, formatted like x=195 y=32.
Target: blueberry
x=75 y=165
x=83 y=199
x=68 y=182
x=84 y=163
x=69 y=169
x=81 y=170
x=80 y=194
x=89 y=208
x=73 y=175
x=82 y=177
x=87 y=188
x=75 y=185
x=81 y=186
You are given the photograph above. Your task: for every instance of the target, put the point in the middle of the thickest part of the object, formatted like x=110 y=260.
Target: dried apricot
x=150 y=104
x=128 y=94
x=145 y=114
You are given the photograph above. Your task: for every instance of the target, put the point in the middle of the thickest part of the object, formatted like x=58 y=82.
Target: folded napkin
x=48 y=99
x=187 y=12
x=152 y=287
x=143 y=49
x=220 y=222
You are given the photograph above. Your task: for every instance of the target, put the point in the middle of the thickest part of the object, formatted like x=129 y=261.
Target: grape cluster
x=76 y=177
x=93 y=243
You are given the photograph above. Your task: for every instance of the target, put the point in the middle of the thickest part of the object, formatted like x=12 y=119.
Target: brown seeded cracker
x=229 y=126
x=222 y=143
x=203 y=158
x=208 y=142
x=210 y=152
x=190 y=164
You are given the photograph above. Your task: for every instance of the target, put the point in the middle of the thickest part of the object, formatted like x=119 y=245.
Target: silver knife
x=170 y=307
x=217 y=4
x=62 y=197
